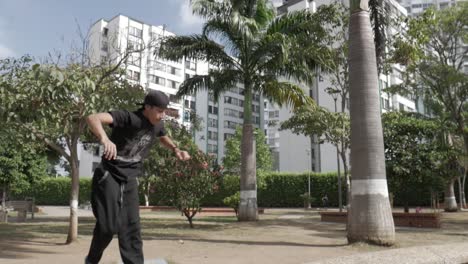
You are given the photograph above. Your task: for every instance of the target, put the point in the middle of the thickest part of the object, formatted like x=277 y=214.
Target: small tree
x=416 y=153
x=183 y=183
x=22 y=163
x=232 y=158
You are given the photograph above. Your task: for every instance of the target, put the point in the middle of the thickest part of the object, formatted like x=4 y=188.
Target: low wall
x=425 y=220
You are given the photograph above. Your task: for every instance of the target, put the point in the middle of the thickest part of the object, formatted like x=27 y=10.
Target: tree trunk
x=248 y=210
x=4 y=197
x=147 y=193
x=75 y=186
x=348 y=183
x=450 y=203
x=370 y=217
x=460 y=194
x=463 y=201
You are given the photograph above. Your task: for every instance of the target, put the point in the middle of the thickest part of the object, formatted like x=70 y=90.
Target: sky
x=37 y=27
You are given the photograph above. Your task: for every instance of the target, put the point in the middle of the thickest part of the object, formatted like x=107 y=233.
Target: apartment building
x=110 y=39
x=307 y=152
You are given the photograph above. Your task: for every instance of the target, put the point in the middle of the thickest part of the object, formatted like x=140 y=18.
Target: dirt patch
x=281 y=236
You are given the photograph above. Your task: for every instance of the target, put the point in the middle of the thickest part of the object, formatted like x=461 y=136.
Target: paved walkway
x=438 y=254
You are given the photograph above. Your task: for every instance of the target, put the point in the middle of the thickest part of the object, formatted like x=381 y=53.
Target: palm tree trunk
x=248 y=181
x=75 y=185
x=450 y=203
x=370 y=217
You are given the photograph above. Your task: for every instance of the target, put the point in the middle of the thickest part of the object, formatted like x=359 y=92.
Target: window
x=172 y=84
x=227 y=99
x=187 y=116
x=212 y=148
x=173 y=98
x=133 y=31
x=273 y=114
x=133 y=75
x=212 y=122
x=212 y=135
x=189 y=104
x=228 y=136
x=157 y=80
x=104 y=46
x=103 y=59
x=105 y=31
x=133 y=45
x=213 y=110
x=401 y=107
x=230 y=124
x=159 y=66
x=190 y=65
x=134 y=59
x=174 y=71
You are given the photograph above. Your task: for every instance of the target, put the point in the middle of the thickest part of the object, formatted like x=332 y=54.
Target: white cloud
x=5 y=51
x=187 y=19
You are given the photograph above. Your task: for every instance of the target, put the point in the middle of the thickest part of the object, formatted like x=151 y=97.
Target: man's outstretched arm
x=180 y=154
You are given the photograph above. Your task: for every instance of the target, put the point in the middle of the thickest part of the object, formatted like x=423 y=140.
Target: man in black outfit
x=114 y=195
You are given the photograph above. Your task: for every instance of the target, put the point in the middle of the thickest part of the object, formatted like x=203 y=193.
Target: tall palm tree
x=370 y=217
x=248 y=44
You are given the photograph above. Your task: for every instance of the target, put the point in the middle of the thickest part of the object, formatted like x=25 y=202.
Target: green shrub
x=233 y=201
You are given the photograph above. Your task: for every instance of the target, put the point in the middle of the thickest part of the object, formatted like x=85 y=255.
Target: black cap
x=156 y=98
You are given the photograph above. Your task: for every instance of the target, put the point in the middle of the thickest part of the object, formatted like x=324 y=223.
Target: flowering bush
x=183 y=184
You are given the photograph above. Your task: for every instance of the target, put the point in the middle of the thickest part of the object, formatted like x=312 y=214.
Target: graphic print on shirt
x=141 y=142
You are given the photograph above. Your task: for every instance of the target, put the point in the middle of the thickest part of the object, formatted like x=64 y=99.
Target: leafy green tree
x=246 y=43
x=183 y=184
x=49 y=103
x=433 y=51
x=416 y=153
x=330 y=127
x=22 y=164
x=232 y=158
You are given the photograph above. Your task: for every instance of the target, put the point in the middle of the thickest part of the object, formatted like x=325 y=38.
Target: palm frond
x=285 y=93
x=216 y=81
x=224 y=32
x=195 y=47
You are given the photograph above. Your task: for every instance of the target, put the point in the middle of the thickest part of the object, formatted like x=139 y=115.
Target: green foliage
x=232 y=158
x=22 y=163
x=55 y=191
x=432 y=50
x=183 y=184
x=416 y=154
x=233 y=201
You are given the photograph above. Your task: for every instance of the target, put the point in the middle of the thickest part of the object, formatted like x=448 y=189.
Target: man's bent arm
x=95 y=122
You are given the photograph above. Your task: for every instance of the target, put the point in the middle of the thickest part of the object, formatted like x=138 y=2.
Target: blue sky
x=37 y=27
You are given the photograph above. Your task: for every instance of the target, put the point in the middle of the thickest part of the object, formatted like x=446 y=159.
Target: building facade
x=110 y=39
x=307 y=152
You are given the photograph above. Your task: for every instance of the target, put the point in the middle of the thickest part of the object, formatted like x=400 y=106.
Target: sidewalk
x=446 y=254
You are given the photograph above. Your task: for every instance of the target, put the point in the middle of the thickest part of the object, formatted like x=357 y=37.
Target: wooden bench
x=23 y=208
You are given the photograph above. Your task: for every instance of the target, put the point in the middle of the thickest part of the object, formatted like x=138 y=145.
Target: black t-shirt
x=133 y=135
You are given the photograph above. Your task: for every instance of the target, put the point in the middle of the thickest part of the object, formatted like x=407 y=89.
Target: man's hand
x=110 y=150
x=182 y=155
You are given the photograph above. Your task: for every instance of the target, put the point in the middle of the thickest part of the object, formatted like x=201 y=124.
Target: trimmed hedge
x=56 y=191
x=274 y=190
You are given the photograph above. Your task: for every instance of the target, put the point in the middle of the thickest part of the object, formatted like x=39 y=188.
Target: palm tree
x=370 y=217
x=247 y=44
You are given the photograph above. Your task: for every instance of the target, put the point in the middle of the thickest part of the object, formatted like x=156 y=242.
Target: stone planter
x=424 y=220
x=3 y=216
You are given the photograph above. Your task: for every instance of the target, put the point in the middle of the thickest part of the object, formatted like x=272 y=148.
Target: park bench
x=23 y=207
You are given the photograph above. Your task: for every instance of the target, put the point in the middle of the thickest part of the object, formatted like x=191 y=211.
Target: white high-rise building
x=307 y=152
x=110 y=39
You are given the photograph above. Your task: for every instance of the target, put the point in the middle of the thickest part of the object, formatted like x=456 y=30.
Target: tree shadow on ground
x=256 y=243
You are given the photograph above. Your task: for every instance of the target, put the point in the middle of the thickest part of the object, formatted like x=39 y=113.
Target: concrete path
x=436 y=254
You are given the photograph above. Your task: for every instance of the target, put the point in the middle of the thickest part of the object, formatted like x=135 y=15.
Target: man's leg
x=105 y=196
x=130 y=243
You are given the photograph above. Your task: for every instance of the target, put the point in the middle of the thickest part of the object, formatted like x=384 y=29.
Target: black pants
x=116 y=208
